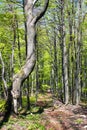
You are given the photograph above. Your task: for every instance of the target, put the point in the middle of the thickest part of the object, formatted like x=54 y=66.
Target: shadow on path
x=8 y=108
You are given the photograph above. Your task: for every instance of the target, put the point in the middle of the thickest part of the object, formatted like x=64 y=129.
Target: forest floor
x=50 y=115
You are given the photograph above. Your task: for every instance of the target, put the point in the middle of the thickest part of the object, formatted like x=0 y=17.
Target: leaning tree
x=32 y=17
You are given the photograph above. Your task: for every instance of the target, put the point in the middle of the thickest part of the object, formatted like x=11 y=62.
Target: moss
x=21 y=73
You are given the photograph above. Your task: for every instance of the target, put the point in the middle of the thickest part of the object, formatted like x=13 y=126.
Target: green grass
x=24 y=100
x=2 y=105
x=32 y=121
x=33 y=99
x=29 y=122
x=36 y=126
x=79 y=121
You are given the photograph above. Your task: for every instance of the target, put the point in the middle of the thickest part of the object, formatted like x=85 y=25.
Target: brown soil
x=66 y=117
x=57 y=116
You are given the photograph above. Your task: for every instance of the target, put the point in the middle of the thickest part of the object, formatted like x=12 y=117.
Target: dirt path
x=68 y=117
x=54 y=116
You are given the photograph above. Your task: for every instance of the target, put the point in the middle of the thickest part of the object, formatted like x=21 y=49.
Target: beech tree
x=64 y=54
x=61 y=63
x=31 y=20
x=4 y=81
x=78 y=54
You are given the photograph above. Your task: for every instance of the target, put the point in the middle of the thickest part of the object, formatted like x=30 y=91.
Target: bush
x=45 y=87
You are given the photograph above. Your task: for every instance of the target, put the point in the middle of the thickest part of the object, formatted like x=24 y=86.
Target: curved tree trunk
x=31 y=20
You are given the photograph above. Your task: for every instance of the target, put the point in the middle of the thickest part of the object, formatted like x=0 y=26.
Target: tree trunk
x=3 y=78
x=77 y=81
x=71 y=49
x=37 y=73
x=19 y=45
x=25 y=26
x=31 y=20
x=55 y=62
x=64 y=56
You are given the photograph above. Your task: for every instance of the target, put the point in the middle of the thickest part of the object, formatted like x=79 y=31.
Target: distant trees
x=59 y=50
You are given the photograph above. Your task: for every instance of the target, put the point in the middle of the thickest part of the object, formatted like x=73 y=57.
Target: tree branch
x=34 y=2
x=42 y=11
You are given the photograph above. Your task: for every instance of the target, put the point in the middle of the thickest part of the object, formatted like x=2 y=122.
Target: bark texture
x=31 y=20
x=3 y=77
x=78 y=54
x=64 y=56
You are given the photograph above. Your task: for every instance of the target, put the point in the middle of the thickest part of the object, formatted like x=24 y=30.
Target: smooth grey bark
x=14 y=39
x=28 y=94
x=77 y=81
x=27 y=87
x=71 y=51
x=18 y=41
x=25 y=25
x=37 y=72
x=64 y=56
x=3 y=78
x=55 y=62
x=26 y=70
